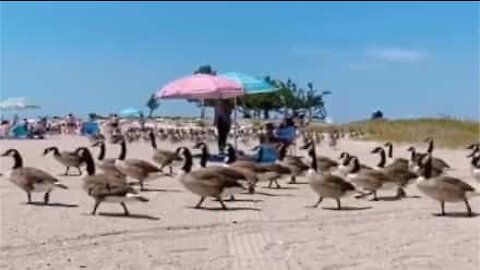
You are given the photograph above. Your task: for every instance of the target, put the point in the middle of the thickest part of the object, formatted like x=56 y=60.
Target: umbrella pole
x=235 y=122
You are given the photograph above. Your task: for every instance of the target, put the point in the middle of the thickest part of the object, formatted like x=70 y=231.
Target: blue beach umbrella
x=251 y=84
x=130 y=112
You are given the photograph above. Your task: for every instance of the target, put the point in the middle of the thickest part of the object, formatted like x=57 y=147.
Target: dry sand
x=272 y=230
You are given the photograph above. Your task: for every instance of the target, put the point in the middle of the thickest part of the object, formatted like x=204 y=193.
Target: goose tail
x=60 y=185
x=137 y=197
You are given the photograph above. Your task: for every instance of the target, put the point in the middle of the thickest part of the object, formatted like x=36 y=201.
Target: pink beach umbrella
x=201 y=86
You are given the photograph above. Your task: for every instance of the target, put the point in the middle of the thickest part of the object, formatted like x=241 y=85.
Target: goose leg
x=338 y=204
x=375 y=195
x=293 y=180
x=200 y=202
x=68 y=169
x=141 y=185
x=224 y=207
x=401 y=193
x=318 y=202
x=46 y=198
x=232 y=198
x=97 y=203
x=276 y=182
x=270 y=184
x=125 y=208
x=442 y=205
x=29 y=198
x=171 y=170
x=469 y=210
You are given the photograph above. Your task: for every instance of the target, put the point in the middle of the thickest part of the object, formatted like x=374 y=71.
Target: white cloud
x=396 y=55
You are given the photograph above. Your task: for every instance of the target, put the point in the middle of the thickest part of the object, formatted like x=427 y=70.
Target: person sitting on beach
x=286 y=132
x=5 y=129
x=71 y=124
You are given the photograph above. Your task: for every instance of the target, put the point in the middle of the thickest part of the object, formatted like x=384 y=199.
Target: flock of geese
x=113 y=180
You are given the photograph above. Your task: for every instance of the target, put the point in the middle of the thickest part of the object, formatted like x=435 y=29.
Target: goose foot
x=199 y=204
x=125 y=209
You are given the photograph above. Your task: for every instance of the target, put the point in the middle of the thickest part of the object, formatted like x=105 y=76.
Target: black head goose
x=475 y=163
x=31 y=180
x=365 y=179
x=106 y=164
x=206 y=182
x=66 y=158
x=294 y=163
x=106 y=187
x=443 y=188
x=398 y=171
x=324 y=164
x=136 y=168
x=265 y=172
x=328 y=185
x=162 y=157
x=246 y=176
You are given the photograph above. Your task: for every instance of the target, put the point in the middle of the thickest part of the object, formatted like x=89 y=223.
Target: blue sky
x=408 y=59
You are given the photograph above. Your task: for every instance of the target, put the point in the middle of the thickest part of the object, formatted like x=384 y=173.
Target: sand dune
x=274 y=229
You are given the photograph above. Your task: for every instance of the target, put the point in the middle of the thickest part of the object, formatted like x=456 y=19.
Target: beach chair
x=90 y=129
x=19 y=132
x=266 y=154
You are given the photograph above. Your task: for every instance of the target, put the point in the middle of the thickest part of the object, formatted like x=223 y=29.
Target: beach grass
x=448 y=132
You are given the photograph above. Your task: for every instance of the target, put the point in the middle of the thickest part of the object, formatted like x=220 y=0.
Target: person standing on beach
x=223 y=122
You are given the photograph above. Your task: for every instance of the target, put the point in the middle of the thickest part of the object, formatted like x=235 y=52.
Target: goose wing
x=100 y=185
x=29 y=176
x=454 y=183
x=142 y=165
x=212 y=178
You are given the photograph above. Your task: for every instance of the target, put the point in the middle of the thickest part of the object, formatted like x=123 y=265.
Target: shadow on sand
x=456 y=215
x=132 y=216
x=228 y=209
x=65 y=205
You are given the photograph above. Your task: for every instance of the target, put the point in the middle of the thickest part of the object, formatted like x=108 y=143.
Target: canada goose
x=324 y=164
x=438 y=166
x=294 y=163
x=233 y=172
x=327 y=185
x=31 y=180
x=368 y=180
x=475 y=147
x=106 y=187
x=389 y=145
x=206 y=182
x=475 y=163
x=443 y=188
x=265 y=172
x=398 y=171
x=135 y=168
x=162 y=157
x=437 y=162
x=106 y=164
x=68 y=159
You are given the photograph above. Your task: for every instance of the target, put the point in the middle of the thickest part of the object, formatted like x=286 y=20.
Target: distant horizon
x=407 y=59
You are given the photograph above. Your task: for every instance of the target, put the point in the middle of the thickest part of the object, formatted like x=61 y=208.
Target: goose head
x=53 y=149
x=16 y=157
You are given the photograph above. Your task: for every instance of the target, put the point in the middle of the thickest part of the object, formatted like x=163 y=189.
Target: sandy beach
x=273 y=229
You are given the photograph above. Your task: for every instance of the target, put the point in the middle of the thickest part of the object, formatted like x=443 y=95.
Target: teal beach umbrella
x=251 y=84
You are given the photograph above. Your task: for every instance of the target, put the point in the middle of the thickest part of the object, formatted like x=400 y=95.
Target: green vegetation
x=287 y=99
x=446 y=131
